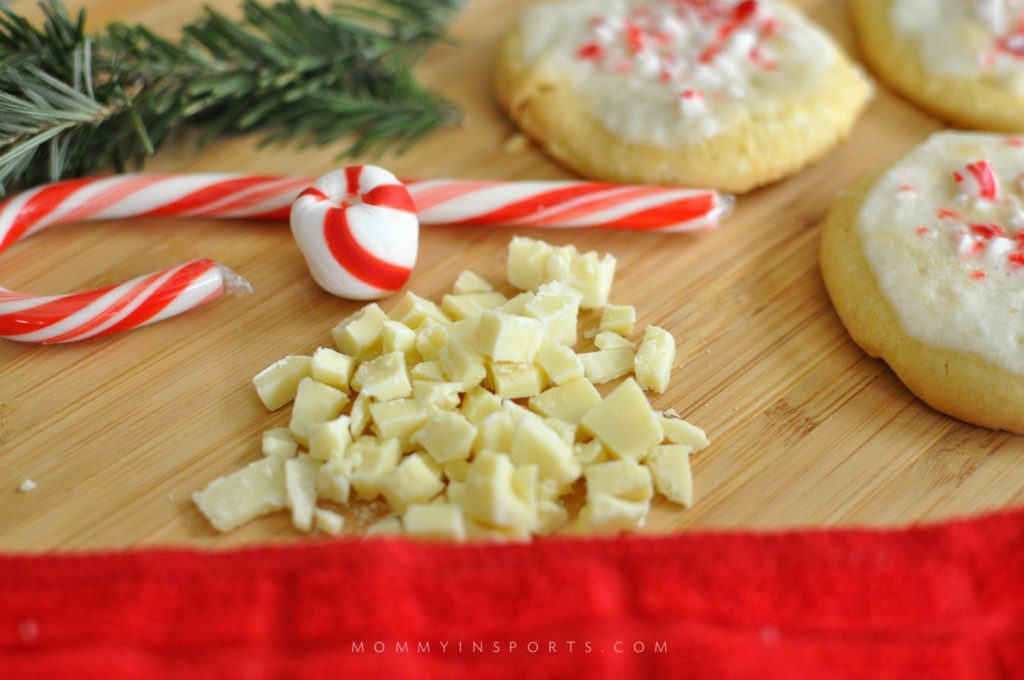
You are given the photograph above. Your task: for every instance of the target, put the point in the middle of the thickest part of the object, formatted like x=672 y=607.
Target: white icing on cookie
x=942 y=231
x=967 y=38
x=663 y=72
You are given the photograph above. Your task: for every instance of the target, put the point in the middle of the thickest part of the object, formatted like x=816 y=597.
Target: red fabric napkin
x=933 y=602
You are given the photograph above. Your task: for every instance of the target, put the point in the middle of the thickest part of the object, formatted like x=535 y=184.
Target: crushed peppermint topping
x=699 y=48
x=1004 y=20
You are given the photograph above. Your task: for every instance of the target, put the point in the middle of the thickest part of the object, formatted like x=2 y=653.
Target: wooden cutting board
x=806 y=430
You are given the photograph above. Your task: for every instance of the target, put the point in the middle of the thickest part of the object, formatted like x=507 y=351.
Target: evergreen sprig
x=71 y=103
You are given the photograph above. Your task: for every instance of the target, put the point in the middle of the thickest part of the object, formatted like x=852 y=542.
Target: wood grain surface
x=806 y=430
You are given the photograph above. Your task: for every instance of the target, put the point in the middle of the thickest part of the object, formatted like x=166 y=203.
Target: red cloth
x=933 y=602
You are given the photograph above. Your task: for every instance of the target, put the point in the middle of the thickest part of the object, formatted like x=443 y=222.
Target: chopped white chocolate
x=471 y=282
x=624 y=478
x=517 y=305
x=431 y=337
x=300 y=482
x=442 y=395
x=624 y=422
x=527 y=262
x=551 y=516
x=384 y=378
x=455 y=490
x=567 y=431
x=315 y=403
x=330 y=440
x=557 y=307
x=678 y=431
x=607 y=514
x=478 y=404
x=462 y=364
x=516 y=381
x=277 y=384
x=397 y=337
x=495 y=433
x=610 y=340
x=456 y=471
x=568 y=402
x=329 y=522
x=508 y=338
x=388 y=526
x=446 y=437
x=360 y=334
x=435 y=522
x=592 y=276
x=413 y=481
x=279 y=443
x=469 y=305
x=618 y=319
x=413 y=311
x=372 y=459
x=534 y=442
x=670 y=467
x=333 y=368
x=399 y=419
x=498 y=495
x=589 y=453
x=359 y=415
x=607 y=364
x=334 y=481
x=257 y=489
x=427 y=370
x=559 y=362
x=654 y=359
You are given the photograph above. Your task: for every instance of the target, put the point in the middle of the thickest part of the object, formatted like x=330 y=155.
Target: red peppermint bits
x=922 y=231
x=948 y=214
x=987 y=230
x=745 y=10
x=1015 y=141
x=979 y=179
x=590 y=52
x=1016 y=258
x=977 y=275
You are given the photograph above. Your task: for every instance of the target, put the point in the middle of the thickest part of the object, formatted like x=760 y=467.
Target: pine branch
x=291 y=72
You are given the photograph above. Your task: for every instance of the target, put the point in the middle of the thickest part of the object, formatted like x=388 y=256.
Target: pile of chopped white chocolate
x=418 y=408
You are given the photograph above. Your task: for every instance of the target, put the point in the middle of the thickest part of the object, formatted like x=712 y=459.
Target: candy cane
x=166 y=293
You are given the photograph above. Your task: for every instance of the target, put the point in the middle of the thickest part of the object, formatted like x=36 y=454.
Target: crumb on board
x=516 y=144
x=27 y=485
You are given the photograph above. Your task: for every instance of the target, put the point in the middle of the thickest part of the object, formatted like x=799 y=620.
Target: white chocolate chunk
x=329 y=522
x=670 y=467
x=333 y=368
x=559 y=362
x=397 y=337
x=471 y=282
x=384 y=378
x=654 y=359
x=413 y=481
x=508 y=338
x=624 y=478
x=551 y=516
x=610 y=340
x=624 y=422
x=413 y=311
x=399 y=419
x=478 y=404
x=516 y=381
x=431 y=337
x=388 y=526
x=257 y=489
x=567 y=431
x=527 y=262
x=435 y=522
x=618 y=319
x=427 y=370
x=498 y=495
x=589 y=453
x=372 y=459
x=359 y=415
x=679 y=431
x=330 y=440
x=441 y=395
x=607 y=364
x=607 y=514
x=593 y=276
x=557 y=307
x=517 y=305
x=446 y=437
x=537 y=444
x=300 y=481
x=470 y=305
x=279 y=443
x=333 y=481
x=315 y=403
x=568 y=402
x=456 y=471
x=277 y=384
x=464 y=329
x=462 y=364
x=496 y=433
x=360 y=334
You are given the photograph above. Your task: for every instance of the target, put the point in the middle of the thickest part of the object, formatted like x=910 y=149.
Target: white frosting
x=671 y=71
x=967 y=38
x=942 y=233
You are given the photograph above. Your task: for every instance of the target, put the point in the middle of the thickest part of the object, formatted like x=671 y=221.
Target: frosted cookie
x=717 y=93
x=963 y=60
x=925 y=266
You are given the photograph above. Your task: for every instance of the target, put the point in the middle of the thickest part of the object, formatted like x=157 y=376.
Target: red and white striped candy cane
x=166 y=293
